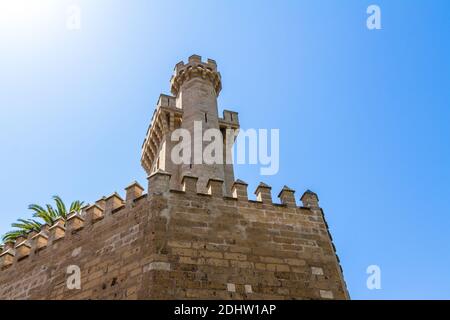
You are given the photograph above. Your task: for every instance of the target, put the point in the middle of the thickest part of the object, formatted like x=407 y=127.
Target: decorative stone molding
x=19 y=240
x=58 y=229
x=7 y=258
x=40 y=240
x=239 y=190
x=101 y=202
x=23 y=249
x=166 y=118
x=158 y=182
x=215 y=187
x=113 y=202
x=189 y=184
x=94 y=213
x=263 y=193
x=75 y=222
x=133 y=191
x=287 y=197
x=195 y=68
x=8 y=245
x=310 y=199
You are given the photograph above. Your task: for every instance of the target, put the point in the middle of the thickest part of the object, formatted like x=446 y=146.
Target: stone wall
x=171 y=244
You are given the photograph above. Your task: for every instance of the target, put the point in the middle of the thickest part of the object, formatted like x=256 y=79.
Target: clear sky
x=363 y=114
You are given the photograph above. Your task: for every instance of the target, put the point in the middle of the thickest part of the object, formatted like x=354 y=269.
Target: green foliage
x=13 y=235
x=48 y=215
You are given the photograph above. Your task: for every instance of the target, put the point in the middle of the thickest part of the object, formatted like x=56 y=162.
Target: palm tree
x=12 y=235
x=23 y=227
x=47 y=214
x=50 y=214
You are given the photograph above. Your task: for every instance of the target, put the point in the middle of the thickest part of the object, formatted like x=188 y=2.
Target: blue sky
x=363 y=115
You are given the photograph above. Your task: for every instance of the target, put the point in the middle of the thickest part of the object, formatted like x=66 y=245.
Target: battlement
x=194 y=234
x=107 y=206
x=165 y=119
x=195 y=67
x=194 y=214
x=194 y=60
x=194 y=104
x=165 y=100
x=230 y=119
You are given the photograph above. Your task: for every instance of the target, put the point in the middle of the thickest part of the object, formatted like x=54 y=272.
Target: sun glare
x=23 y=14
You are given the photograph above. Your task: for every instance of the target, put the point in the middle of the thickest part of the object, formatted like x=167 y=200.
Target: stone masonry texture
x=184 y=245
x=201 y=240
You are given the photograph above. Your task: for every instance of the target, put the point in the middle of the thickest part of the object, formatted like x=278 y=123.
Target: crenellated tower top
x=195 y=68
x=195 y=86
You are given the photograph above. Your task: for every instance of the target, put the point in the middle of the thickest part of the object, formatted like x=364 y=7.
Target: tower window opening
x=206 y=117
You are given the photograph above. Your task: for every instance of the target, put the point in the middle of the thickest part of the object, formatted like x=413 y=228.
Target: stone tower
x=195 y=86
x=195 y=234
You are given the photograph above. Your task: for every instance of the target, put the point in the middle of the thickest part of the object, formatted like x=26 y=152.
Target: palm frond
x=76 y=205
x=27 y=225
x=37 y=209
x=52 y=211
x=60 y=207
x=41 y=213
x=47 y=214
x=13 y=235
